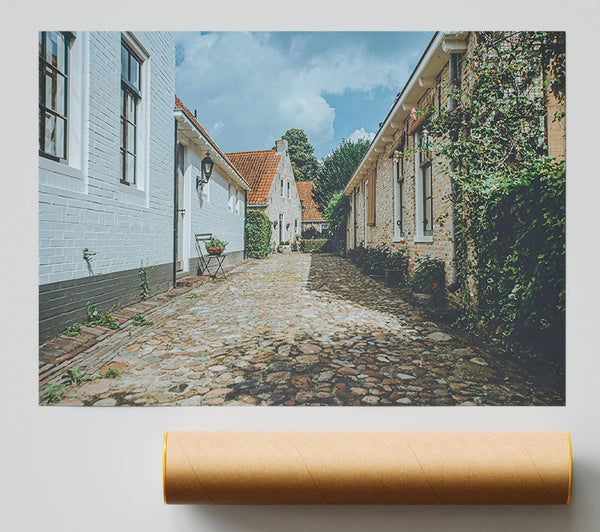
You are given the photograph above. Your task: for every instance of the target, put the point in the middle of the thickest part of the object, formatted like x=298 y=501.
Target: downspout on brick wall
x=245 y=218
x=454 y=83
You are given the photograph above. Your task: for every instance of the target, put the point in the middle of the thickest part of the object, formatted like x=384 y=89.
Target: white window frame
x=143 y=115
x=71 y=173
x=420 y=237
x=398 y=204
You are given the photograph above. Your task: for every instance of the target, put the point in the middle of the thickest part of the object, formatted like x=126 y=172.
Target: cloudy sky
x=251 y=87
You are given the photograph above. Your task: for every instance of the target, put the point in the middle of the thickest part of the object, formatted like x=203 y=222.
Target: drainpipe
x=175 y=210
x=245 y=218
x=454 y=83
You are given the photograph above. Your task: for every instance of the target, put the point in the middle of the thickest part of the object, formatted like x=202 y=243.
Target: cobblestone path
x=297 y=329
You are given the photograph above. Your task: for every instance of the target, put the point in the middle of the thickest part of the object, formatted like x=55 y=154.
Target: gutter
x=433 y=60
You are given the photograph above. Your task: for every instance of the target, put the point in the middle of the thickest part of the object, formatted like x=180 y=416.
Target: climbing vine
x=508 y=194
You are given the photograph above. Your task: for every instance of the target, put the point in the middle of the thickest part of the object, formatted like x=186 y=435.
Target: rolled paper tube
x=367 y=468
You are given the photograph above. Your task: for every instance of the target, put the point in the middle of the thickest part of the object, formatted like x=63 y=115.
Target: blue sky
x=251 y=87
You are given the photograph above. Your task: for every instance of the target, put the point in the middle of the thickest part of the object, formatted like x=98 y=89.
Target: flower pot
x=394 y=277
x=214 y=250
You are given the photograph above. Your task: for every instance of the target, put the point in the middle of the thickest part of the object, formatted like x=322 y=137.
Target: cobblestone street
x=298 y=329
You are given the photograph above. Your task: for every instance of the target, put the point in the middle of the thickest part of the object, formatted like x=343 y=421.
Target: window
x=130 y=96
x=425 y=157
x=53 y=93
x=281 y=183
x=399 y=200
x=289 y=185
x=232 y=194
x=295 y=226
x=371 y=198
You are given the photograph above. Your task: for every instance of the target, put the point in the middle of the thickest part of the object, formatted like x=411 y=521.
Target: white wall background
x=100 y=469
x=125 y=225
x=218 y=209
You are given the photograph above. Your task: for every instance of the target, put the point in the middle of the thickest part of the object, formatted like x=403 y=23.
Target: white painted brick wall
x=210 y=213
x=124 y=228
x=289 y=207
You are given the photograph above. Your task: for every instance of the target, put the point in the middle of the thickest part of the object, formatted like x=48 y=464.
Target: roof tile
x=258 y=169
x=311 y=210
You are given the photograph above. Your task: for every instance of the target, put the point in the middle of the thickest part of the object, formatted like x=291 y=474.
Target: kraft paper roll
x=367 y=468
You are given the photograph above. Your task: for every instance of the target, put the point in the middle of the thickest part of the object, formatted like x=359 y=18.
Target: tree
x=300 y=150
x=337 y=168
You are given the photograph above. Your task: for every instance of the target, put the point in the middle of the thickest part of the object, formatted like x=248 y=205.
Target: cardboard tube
x=367 y=468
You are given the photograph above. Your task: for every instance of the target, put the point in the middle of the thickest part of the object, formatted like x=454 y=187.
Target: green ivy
x=258 y=234
x=508 y=195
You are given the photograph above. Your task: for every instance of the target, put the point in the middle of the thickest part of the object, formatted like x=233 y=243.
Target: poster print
x=301 y=218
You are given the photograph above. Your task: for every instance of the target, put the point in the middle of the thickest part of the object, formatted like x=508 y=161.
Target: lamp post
x=206 y=170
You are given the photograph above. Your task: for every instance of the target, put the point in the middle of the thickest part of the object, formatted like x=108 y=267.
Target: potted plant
x=427 y=281
x=214 y=246
x=396 y=268
x=376 y=260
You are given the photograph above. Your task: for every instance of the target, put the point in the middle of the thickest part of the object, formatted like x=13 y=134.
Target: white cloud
x=361 y=134
x=259 y=88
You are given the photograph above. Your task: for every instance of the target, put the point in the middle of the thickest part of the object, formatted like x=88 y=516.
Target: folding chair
x=200 y=239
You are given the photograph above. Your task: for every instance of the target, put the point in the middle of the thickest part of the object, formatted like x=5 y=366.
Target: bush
x=397 y=260
x=258 y=234
x=377 y=256
x=359 y=254
x=428 y=277
x=311 y=245
x=311 y=232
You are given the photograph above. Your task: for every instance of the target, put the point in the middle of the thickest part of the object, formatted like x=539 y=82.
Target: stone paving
x=298 y=329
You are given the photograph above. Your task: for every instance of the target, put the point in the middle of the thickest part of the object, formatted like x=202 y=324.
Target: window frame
x=43 y=109
x=426 y=173
x=128 y=89
x=399 y=201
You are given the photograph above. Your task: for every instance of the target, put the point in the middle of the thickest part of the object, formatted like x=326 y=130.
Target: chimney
x=282 y=146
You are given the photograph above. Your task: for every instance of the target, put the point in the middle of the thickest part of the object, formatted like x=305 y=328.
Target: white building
x=106 y=170
x=217 y=207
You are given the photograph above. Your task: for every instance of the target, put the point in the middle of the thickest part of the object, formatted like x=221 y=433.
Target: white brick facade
x=82 y=203
x=217 y=207
x=283 y=199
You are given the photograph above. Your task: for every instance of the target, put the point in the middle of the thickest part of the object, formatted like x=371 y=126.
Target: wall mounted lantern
x=206 y=171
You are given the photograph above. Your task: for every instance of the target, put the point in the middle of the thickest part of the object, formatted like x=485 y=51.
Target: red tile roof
x=186 y=111
x=311 y=210
x=258 y=169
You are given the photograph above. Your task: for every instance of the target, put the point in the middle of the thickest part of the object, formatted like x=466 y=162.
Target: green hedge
x=258 y=234
x=310 y=245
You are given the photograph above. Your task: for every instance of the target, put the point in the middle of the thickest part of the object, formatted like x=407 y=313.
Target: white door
x=181 y=212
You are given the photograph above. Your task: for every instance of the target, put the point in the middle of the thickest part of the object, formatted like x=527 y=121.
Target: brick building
x=311 y=212
x=406 y=204
x=106 y=144
x=273 y=188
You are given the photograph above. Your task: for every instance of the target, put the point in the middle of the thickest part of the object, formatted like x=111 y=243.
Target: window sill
x=59 y=168
x=421 y=239
x=131 y=189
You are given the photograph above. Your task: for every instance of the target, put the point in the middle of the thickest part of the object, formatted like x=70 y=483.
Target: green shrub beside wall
x=258 y=234
x=310 y=245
